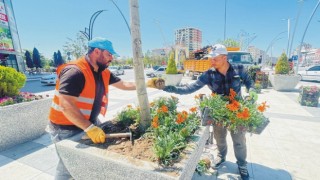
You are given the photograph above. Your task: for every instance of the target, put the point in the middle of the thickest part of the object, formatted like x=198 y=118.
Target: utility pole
x=138 y=65
x=225 y=19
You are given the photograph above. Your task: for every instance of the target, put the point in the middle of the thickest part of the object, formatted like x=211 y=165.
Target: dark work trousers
x=239 y=144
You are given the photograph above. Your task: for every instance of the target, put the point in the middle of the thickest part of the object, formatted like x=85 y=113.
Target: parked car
x=157 y=73
x=311 y=73
x=116 y=70
x=49 y=79
x=127 y=67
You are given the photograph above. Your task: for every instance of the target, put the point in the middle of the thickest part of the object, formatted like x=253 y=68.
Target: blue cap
x=102 y=43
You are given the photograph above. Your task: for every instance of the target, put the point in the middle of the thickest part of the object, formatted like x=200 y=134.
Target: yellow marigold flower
x=129 y=106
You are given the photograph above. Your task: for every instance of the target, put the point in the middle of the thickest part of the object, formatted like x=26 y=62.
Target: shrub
x=172 y=67
x=282 y=66
x=11 y=81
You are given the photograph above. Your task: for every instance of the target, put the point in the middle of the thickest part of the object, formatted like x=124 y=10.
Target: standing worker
x=220 y=80
x=81 y=95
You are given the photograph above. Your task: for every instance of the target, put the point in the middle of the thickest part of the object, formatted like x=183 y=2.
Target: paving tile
x=15 y=170
x=42 y=176
x=5 y=160
x=43 y=159
x=261 y=172
x=21 y=150
x=44 y=140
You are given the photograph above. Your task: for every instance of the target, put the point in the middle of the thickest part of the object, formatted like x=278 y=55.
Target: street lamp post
x=88 y=31
x=122 y=15
x=272 y=42
x=288 y=22
x=295 y=26
x=305 y=31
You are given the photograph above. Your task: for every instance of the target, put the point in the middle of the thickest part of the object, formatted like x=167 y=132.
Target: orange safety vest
x=86 y=98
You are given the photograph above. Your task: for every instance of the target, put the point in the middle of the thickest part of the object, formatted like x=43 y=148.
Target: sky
x=46 y=24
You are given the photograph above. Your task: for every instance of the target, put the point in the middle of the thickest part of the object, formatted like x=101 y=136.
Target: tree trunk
x=138 y=65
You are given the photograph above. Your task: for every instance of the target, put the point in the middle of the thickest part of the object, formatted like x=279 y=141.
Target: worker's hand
x=170 y=88
x=96 y=134
x=157 y=83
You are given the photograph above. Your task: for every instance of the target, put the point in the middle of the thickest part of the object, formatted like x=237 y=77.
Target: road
x=36 y=87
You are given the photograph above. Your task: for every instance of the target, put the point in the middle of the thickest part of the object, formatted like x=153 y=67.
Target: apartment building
x=189 y=37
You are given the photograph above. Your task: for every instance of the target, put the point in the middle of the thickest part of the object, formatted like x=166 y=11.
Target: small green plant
x=203 y=166
x=171 y=129
x=128 y=116
x=11 y=81
x=282 y=66
x=172 y=67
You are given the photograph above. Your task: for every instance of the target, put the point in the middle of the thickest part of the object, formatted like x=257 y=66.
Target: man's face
x=218 y=61
x=105 y=58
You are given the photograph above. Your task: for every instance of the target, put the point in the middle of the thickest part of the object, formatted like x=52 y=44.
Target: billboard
x=6 y=39
x=3 y=15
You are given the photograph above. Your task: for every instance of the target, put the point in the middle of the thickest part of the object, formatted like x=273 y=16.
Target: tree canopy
x=28 y=59
x=36 y=58
x=77 y=47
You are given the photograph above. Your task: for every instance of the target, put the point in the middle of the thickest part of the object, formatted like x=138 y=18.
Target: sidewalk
x=289 y=147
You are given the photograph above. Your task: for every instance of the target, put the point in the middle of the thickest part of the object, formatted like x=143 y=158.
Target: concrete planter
x=23 y=122
x=173 y=79
x=282 y=82
x=88 y=162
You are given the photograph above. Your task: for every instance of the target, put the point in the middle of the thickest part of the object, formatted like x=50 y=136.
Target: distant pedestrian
x=81 y=95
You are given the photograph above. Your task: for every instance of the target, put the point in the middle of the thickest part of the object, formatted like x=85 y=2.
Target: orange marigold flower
x=180 y=118
x=194 y=109
x=197 y=97
x=213 y=94
x=164 y=108
x=129 y=106
x=234 y=106
x=155 y=122
x=185 y=114
x=232 y=94
x=262 y=107
x=245 y=114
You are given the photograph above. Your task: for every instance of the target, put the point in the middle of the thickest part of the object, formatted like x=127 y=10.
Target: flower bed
x=309 y=96
x=21 y=97
x=177 y=141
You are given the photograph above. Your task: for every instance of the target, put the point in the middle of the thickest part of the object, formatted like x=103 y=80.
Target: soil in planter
x=142 y=148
